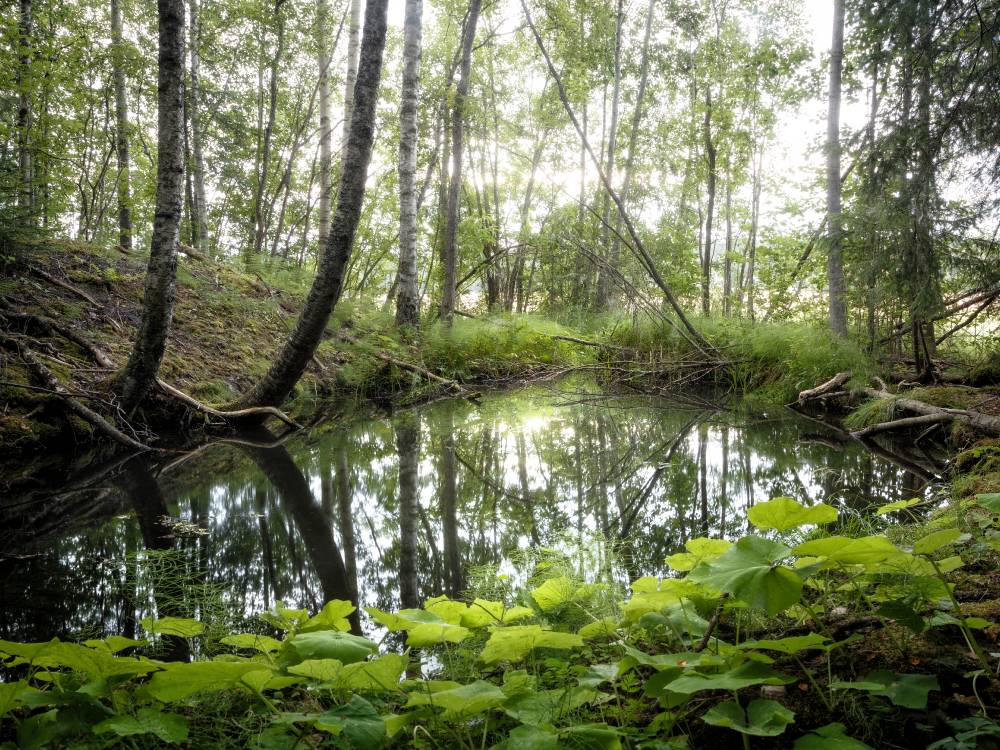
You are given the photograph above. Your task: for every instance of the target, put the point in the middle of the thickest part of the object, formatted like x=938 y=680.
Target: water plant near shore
x=562 y=662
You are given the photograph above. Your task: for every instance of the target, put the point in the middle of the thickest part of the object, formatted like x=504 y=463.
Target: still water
x=391 y=510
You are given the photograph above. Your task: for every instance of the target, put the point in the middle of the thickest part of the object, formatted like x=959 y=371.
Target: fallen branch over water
x=831 y=385
x=227 y=415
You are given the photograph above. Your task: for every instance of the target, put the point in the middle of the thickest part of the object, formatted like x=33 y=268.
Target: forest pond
x=437 y=499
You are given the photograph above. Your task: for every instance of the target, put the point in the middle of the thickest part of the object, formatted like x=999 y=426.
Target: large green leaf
x=590 y=737
x=333 y=616
x=96 y=663
x=990 y=501
x=263 y=643
x=183 y=627
x=531 y=738
x=783 y=513
x=480 y=613
x=844 y=550
x=423 y=628
x=170 y=728
x=547 y=706
x=331 y=644
x=790 y=645
x=829 y=737
x=517 y=641
x=114 y=644
x=892 y=507
x=554 y=593
x=746 y=674
x=320 y=670
x=379 y=675
x=357 y=720
x=750 y=571
x=907 y=690
x=762 y=718
x=936 y=540
x=181 y=680
x=461 y=702
x=8 y=695
x=698 y=550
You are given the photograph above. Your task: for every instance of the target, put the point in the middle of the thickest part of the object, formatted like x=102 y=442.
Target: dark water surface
x=394 y=510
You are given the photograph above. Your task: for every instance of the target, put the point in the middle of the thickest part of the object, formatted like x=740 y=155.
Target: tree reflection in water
x=393 y=510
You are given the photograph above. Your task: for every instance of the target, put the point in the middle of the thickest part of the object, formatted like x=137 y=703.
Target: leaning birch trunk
x=300 y=347
x=121 y=129
x=449 y=251
x=325 y=132
x=353 y=38
x=158 y=300
x=407 y=295
x=835 y=259
x=200 y=216
x=706 y=255
x=25 y=193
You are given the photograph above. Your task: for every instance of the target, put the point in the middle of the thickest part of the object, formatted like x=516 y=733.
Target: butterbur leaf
x=762 y=718
x=547 y=706
x=907 y=690
x=750 y=572
x=461 y=702
x=331 y=644
x=936 y=540
x=357 y=720
x=990 y=501
x=183 y=627
x=604 y=628
x=115 y=644
x=379 y=675
x=321 y=670
x=9 y=692
x=531 y=738
x=554 y=593
x=746 y=674
x=898 y=505
x=181 y=680
x=517 y=641
x=333 y=616
x=790 y=645
x=698 y=550
x=865 y=550
x=783 y=513
x=829 y=737
x=590 y=737
x=263 y=643
x=170 y=728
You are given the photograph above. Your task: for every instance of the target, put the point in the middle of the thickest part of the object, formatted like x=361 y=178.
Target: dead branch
x=977 y=420
x=403 y=365
x=64 y=284
x=85 y=413
x=227 y=415
x=833 y=384
x=905 y=423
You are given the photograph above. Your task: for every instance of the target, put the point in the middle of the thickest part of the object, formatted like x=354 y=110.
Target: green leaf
x=790 y=645
x=461 y=702
x=377 y=676
x=907 y=690
x=183 y=627
x=590 y=737
x=263 y=643
x=554 y=593
x=115 y=643
x=359 y=722
x=331 y=644
x=333 y=616
x=321 y=670
x=531 y=738
x=8 y=695
x=990 y=501
x=547 y=706
x=698 y=550
x=423 y=628
x=517 y=641
x=898 y=505
x=604 y=628
x=170 y=728
x=181 y=680
x=746 y=674
x=829 y=737
x=763 y=718
x=783 y=513
x=936 y=540
x=96 y=663
x=844 y=550
x=750 y=572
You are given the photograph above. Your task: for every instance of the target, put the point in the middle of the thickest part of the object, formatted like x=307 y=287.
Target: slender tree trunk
x=121 y=128
x=408 y=453
x=325 y=132
x=605 y=285
x=835 y=255
x=158 y=300
x=353 y=41
x=450 y=248
x=752 y=242
x=260 y=220
x=727 y=265
x=614 y=257
x=295 y=355
x=200 y=216
x=706 y=253
x=454 y=583
x=408 y=293
x=25 y=195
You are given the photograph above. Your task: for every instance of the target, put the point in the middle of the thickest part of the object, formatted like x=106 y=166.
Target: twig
x=64 y=284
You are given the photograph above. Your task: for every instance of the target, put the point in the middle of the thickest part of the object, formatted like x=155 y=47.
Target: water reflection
x=394 y=510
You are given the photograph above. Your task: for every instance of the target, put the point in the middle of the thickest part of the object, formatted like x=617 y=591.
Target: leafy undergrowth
x=757 y=642
x=772 y=362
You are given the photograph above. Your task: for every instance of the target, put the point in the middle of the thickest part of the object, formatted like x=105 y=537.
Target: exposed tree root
x=85 y=413
x=253 y=411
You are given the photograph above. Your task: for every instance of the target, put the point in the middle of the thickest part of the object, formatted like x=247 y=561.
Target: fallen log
x=833 y=384
x=977 y=420
x=905 y=423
